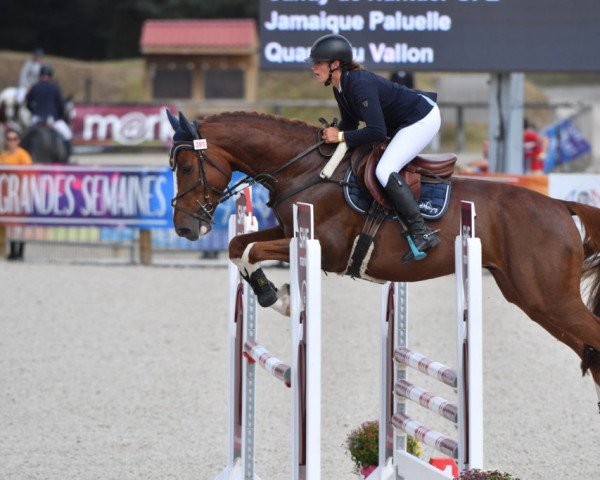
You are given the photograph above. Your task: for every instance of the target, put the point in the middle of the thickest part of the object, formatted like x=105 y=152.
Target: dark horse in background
x=530 y=242
x=45 y=145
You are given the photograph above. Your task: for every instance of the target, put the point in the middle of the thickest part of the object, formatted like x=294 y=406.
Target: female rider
x=387 y=108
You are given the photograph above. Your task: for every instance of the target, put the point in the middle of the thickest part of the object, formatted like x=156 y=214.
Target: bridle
x=205 y=210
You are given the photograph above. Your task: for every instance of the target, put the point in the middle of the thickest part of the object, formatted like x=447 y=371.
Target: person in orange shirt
x=13 y=154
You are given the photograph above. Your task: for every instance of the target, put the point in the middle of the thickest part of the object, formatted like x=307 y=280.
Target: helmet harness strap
x=331 y=70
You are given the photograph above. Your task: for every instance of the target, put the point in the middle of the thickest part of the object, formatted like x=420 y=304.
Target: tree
x=96 y=30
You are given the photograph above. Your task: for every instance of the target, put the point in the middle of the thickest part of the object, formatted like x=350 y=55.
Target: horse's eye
x=187 y=169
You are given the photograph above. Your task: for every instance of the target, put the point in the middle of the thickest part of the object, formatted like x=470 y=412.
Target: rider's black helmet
x=329 y=48
x=46 y=70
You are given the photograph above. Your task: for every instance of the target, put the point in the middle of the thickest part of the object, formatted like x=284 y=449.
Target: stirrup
x=414 y=252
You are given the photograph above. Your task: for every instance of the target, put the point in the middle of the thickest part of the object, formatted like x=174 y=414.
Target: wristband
x=340 y=137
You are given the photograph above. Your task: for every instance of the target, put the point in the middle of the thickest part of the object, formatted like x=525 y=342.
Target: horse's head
x=8 y=105
x=69 y=110
x=201 y=176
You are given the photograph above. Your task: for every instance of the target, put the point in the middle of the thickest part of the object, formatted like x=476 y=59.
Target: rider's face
x=320 y=71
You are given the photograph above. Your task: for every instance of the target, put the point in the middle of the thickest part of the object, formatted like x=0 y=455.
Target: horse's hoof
x=282 y=305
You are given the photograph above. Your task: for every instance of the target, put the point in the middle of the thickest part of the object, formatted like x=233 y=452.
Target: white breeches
x=21 y=93
x=59 y=125
x=407 y=144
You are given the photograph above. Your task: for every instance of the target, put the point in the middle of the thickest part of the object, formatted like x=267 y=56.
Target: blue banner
x=118 y=198
x=565 y=143
x=69 y=195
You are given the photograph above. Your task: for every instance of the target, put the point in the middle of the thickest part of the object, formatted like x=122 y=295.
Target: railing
x=456 y=116
x=114 y=246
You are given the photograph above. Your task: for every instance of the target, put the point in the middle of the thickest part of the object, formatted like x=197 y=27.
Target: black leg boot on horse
x=420 y=236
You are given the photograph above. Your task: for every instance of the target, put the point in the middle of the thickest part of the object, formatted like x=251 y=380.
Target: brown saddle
x=434 y=167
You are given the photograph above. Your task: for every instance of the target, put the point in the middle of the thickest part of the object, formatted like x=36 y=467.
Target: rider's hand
x=330 y=135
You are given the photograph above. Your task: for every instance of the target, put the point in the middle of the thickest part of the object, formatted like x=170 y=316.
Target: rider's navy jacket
x=45 y=100
x=384 y=106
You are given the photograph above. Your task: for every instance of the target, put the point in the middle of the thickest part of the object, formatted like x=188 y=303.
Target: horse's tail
x=590 y=219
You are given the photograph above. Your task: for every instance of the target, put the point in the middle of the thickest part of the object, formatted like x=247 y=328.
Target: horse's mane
x=259 y=117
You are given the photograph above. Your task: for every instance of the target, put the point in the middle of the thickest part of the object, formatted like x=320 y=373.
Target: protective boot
x=420 y=236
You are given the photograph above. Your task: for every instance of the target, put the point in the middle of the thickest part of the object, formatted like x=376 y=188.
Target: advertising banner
x=578 y=187
x=437 y=35
x=111 y=197
x=86 y=196
x=121 y=125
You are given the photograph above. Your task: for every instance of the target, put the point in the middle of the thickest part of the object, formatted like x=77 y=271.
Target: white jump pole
x=242 y=328
x=305 y=303
x=469 y=319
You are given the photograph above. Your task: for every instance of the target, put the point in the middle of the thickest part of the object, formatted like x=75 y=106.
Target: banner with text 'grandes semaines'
x=437 y=35
x=86 y=196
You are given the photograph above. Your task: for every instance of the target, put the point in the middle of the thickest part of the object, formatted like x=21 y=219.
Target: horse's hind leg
x=248 y=250
x=553 y=320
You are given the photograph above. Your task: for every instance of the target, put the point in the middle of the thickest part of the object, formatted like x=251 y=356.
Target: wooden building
x=200 y=59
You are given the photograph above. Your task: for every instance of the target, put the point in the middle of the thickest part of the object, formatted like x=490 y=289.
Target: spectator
x=403 y=78
x=30 y=73
x=534 y=149
x=13 y=154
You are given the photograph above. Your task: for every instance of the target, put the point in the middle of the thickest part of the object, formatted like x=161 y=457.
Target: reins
x=207 y=208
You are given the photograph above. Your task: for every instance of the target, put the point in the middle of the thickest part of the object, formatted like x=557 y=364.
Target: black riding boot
x=68 y=148
x=408 y=210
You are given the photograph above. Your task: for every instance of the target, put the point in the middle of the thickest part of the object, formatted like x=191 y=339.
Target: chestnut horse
x=530 y=242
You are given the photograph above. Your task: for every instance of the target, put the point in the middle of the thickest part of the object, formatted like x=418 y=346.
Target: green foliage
x=99 y=30
x=363 y=445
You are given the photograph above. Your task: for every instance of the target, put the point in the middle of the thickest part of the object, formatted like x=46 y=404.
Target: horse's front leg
x=248 y=250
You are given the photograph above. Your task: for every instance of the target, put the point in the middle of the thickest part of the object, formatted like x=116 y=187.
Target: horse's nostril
x=182 y=232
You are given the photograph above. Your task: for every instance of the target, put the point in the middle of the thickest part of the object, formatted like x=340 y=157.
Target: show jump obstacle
x=304 y=373
x=467 y=379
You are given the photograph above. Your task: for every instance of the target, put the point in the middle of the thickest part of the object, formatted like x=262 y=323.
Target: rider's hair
x=353 y=65
x=10 y=130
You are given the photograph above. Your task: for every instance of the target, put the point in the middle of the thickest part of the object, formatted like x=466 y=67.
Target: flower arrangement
x=477 y=474
x=363 y=446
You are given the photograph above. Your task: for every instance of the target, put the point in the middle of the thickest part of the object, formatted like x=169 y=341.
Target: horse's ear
x=187 y=127
x=172 y=120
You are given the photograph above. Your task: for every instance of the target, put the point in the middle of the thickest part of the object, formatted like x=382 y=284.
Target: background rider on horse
x=46 y=103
